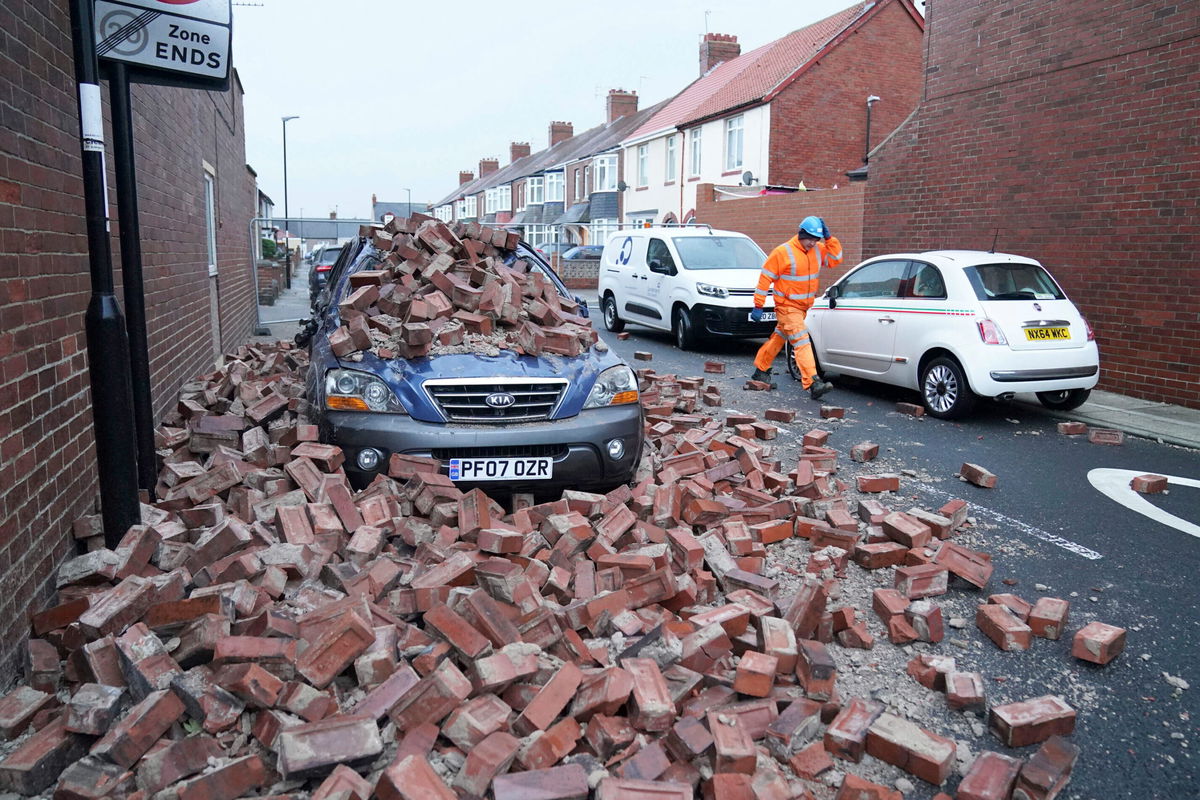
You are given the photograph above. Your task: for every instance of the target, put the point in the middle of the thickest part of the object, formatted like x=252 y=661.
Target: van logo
x=500 y=400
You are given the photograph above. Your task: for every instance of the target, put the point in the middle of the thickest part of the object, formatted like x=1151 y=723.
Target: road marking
x=1114 y=483
x=1025 y=527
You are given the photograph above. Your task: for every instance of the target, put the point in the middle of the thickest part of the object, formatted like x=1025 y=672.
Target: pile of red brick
x=268 y=630
x=440 y=286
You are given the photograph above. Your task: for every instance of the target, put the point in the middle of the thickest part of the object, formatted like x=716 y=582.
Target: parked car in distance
x=583 y=252
x=956 y=325
x=690 y=281
x=562 y=422
x=323 y=260
x=553 y=249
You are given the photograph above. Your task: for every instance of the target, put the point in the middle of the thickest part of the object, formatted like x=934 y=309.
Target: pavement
x=1162 y=422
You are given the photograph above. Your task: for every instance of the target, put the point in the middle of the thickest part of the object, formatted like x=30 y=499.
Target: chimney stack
x=716 y=48
x=560 y=132
x=333 y=215
x=488 y=165
x=517 y=150
x=465 y=177
x=621 y=104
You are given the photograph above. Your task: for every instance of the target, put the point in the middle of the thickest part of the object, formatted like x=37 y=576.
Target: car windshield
x=1012 y=282
x=719 y=252
x=329 y=256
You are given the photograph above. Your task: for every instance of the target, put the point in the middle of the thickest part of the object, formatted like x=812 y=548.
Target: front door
x=859 y=335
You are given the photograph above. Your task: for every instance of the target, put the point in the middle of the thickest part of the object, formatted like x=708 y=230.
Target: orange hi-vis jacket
x=794 y=273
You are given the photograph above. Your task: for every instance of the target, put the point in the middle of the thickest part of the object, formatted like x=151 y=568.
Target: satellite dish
x=747 y=178
x=622 y=186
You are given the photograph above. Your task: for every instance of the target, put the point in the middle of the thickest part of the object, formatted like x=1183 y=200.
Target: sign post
x=171 y=42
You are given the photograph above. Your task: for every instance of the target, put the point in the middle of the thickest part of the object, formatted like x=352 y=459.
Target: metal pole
x=131 y=274
x=108 y=350
x=287 y=264
x=259 y=328
x=871 y=100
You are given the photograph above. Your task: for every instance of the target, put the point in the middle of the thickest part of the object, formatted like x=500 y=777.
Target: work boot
x=764 y=376
x=819 y=388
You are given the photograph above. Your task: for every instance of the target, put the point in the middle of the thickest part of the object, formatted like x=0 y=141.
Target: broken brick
x=1031 y=721
x=1098 y=642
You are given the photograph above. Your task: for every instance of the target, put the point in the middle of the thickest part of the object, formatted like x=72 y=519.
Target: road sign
x=180 y=42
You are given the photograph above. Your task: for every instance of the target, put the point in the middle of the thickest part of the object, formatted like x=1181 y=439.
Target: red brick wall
x=1076 y=138
x=819 y=123
x=772 y=219
x=47 y=460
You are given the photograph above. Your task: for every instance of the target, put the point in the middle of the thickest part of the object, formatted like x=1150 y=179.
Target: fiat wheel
x=611 y=320
x=944 y=389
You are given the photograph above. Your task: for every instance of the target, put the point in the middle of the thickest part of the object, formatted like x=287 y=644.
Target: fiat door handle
x=886 y=319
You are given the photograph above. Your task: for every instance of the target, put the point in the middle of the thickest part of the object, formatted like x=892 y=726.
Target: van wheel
x=1065 y=400
x=612 y=322
x=685 y=332
x=944 y=389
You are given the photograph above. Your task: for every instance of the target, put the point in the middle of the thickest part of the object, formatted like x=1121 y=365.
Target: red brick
x=815 y=669
x=491 y=757
x=38 y=761
x=856 y=788
x=926 y=619
x=733 y=748
x=1098 y=642
x=1106 y=436
x=964 y=692
x=1006 y=631
x=924 y=580
x=1048 y=618
x=19 y=707
x=343 y=784
x=140 y=728
x=887 y=482
x=227 y=782
x=94 y=708
x=175 y=761
x=755 y=674
x=846 y=736
x=888 y=603
x=973 y=473
x=864 y=451
x=335 y=650
x=832 y=412
x=903 y=744
x=880 y=556
x=972 y=566
x=250 y=682
x=475 y=720
x=433 y=698
x=568 y=782
x=812 y=761
x=412 y=778
x=1032 y=721
x=627 y=789
x=1072 y=428
x=552 y=746
x=316 y=746
x=1020 y=608
x=651 y=707
x=1047 y=771
x=991 y=777
x=1149 y=484
x=910 y=409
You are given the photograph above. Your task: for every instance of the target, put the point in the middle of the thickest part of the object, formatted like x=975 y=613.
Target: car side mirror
x=583 y=308
x=833 y=293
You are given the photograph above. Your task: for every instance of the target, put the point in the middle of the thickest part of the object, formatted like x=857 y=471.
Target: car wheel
x=685 y=332
x=1065 y=400
x=944 y=389
x=611 y=321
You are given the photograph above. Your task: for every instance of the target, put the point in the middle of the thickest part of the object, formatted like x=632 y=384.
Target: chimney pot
x=488 y=165
x=621 y=104
x=560 y=132
x=465 y=177
x=716 y=48
x=517 y=150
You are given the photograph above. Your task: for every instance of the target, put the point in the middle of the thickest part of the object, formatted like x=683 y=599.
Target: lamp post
x=287 y=227
x=871 y=100
x=408 y=204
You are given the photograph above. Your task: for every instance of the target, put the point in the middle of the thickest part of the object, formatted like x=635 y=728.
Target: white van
x=692 y=281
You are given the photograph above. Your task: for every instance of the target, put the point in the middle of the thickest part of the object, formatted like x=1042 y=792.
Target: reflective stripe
x=768 y=273
x=778 y=333
x=797 y=296
x=761 y=292
x=791 y=257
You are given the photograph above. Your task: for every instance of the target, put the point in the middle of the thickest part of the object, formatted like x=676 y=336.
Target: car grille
x=740 y=292
x=466 y=400
x=518 y=451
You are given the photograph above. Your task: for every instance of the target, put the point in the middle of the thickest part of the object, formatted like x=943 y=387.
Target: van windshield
x=719 y=252
x=1012 y=282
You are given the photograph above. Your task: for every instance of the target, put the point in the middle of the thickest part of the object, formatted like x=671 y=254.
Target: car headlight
x=350 y=390
x=712 y=291
x=615 y=386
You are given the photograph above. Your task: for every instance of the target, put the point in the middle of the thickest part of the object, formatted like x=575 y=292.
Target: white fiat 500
x=956 y=325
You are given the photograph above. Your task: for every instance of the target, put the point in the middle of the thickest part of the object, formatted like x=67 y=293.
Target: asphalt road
x=1044 y=524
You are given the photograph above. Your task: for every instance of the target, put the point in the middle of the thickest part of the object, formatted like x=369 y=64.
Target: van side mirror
x=656 y=265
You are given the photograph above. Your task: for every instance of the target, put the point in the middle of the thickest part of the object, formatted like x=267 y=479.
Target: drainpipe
x=871 y=100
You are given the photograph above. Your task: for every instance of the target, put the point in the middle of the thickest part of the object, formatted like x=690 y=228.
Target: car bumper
x=726 y=321
x=1026 y=371
x=577 y=445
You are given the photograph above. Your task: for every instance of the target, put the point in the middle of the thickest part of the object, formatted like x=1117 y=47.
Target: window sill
x=738 y=171
x=641 y=188
x=689 y=180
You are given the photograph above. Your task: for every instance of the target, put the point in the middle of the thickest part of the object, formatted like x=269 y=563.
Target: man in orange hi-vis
x=790 y=274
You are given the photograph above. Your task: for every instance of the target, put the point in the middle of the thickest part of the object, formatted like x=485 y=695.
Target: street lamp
x=287 y=271
x=408 y=205
x=871 y=100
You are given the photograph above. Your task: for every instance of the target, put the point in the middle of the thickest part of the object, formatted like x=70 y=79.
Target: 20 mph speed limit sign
x=184 y=40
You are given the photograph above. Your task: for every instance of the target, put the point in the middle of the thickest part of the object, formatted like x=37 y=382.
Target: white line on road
x=1114 y=483
x=1024 y=527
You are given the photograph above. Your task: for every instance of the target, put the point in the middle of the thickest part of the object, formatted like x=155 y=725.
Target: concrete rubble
x=268 y=631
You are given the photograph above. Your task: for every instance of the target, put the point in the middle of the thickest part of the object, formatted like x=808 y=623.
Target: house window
x=606 y=173
x=643 y=165
x=579 y=181
x=600 y=229
x=504 y=197
x=733 y=142
x=537 y=192
x=210 y=220
x=469 y=210
x=671 y=156
x=521 y=196
x=554 y=187
x=694 y=147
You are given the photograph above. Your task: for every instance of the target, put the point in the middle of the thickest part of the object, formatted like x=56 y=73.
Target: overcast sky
x=395 y=95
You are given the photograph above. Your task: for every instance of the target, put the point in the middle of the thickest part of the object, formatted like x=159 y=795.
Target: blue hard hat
x=813 y=227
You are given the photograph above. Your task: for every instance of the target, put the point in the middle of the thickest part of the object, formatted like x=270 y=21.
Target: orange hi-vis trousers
x=790 y=325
